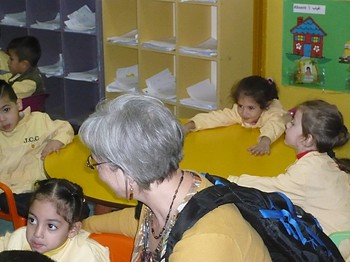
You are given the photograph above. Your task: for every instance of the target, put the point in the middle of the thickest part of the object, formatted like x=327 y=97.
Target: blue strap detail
x=292 y=224
x=287 y=220
x=288 y=202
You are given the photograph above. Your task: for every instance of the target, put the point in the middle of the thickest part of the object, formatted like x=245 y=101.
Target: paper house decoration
x=307 y=38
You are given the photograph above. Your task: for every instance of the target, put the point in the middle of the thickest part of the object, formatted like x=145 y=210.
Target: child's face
x=46 y=230
x=16 y=66
x=248 y=109
x=294 y=132
x=9 y=114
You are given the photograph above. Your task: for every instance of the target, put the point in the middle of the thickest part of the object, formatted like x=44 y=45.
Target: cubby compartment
x=118 y=57
x=7 y=33
x=122 y=14
x=10 y=7
x=68 y=7
x=81 y=98
x=193 y=70
x=50 y=43
x=156 y=20
x=196 y=23
x=79 y=50
x=186 y=112
x=42 y=11
x=55 y=103
x=151 y=63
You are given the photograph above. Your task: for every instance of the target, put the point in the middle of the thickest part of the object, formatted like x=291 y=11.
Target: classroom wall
x=272 y=67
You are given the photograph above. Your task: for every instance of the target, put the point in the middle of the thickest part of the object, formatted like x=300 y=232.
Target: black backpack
x=289 y=233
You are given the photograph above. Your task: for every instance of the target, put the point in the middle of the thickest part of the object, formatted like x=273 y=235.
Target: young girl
x=315 y=181
x=53 y=227
x=256 y=105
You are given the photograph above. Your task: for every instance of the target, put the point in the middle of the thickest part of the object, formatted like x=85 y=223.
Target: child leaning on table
x=26 y=138
x=54 y=225
x=256 y=105
x=24 y=76
x=317 y=181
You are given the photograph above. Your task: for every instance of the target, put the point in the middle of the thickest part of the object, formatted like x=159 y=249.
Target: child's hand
x=262 y=148
x=51 y=146
x=189 y=126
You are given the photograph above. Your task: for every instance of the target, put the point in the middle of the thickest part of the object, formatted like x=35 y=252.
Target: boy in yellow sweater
x=26 y=138
x=24 y=76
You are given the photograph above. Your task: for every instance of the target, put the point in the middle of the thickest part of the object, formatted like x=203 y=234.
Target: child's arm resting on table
x=261 y=148
x=189 y=126
x=51 y=146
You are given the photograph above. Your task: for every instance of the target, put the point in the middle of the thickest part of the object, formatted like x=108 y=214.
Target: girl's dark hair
x=6 y=90
x=23 y=256
x=326 y=125
x=262 y=90
x=67 y=196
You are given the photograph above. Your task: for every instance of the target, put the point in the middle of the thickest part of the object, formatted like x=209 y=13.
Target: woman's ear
x=74 y=230
x=19 y=104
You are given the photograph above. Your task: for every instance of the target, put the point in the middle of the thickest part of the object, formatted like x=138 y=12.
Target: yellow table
x=70 y=163
x=221 y=151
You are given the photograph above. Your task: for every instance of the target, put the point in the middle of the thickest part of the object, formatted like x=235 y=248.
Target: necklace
x=170 y=208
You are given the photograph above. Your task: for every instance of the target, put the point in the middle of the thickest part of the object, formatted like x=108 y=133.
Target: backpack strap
x=199 y=205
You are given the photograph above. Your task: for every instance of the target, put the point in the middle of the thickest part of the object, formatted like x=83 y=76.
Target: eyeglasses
x=91 y=163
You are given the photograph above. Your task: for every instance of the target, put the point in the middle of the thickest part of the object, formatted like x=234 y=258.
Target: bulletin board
x=316 y=44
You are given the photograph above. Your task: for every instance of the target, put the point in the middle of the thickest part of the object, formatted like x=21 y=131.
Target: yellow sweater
x=315 y=183
x=3 y=62
x=20 y=150
x=221 y=235
x=272 y=122
x=77 y=249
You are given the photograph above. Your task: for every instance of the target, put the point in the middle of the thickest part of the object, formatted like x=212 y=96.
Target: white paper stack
x=51 y=24
x=126 y=80
x=89 y=76
x=130 y=38
x=202 y=95
x=17 y=19
x=168 y=44
x=207 y=48
x=161 y=85
x=81 y=20
x=54 y=69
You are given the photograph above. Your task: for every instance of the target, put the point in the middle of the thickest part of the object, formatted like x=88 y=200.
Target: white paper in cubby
x=81 y=20
x=161 y=85
x=126 y=80
x=202 y=91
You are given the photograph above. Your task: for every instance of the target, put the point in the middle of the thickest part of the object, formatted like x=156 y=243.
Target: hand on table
x=51 y=146
x=262 y=148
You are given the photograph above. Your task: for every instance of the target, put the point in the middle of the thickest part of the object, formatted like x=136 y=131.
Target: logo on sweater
x=31 y=139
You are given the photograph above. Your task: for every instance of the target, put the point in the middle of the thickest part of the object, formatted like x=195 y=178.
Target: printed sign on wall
x=316 y=44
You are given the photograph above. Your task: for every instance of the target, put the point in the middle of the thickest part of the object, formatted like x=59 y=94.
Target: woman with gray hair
x=137 y=145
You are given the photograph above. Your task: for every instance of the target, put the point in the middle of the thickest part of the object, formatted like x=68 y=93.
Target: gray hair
x=137 y=133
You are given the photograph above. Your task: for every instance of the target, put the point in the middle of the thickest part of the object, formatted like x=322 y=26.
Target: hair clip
x=270 y=80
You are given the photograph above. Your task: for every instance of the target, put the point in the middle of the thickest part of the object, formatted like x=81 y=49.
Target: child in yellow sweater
x=256 y=106
x=54 y=225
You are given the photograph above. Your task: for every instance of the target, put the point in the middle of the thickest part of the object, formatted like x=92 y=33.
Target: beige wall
x=272 y=67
